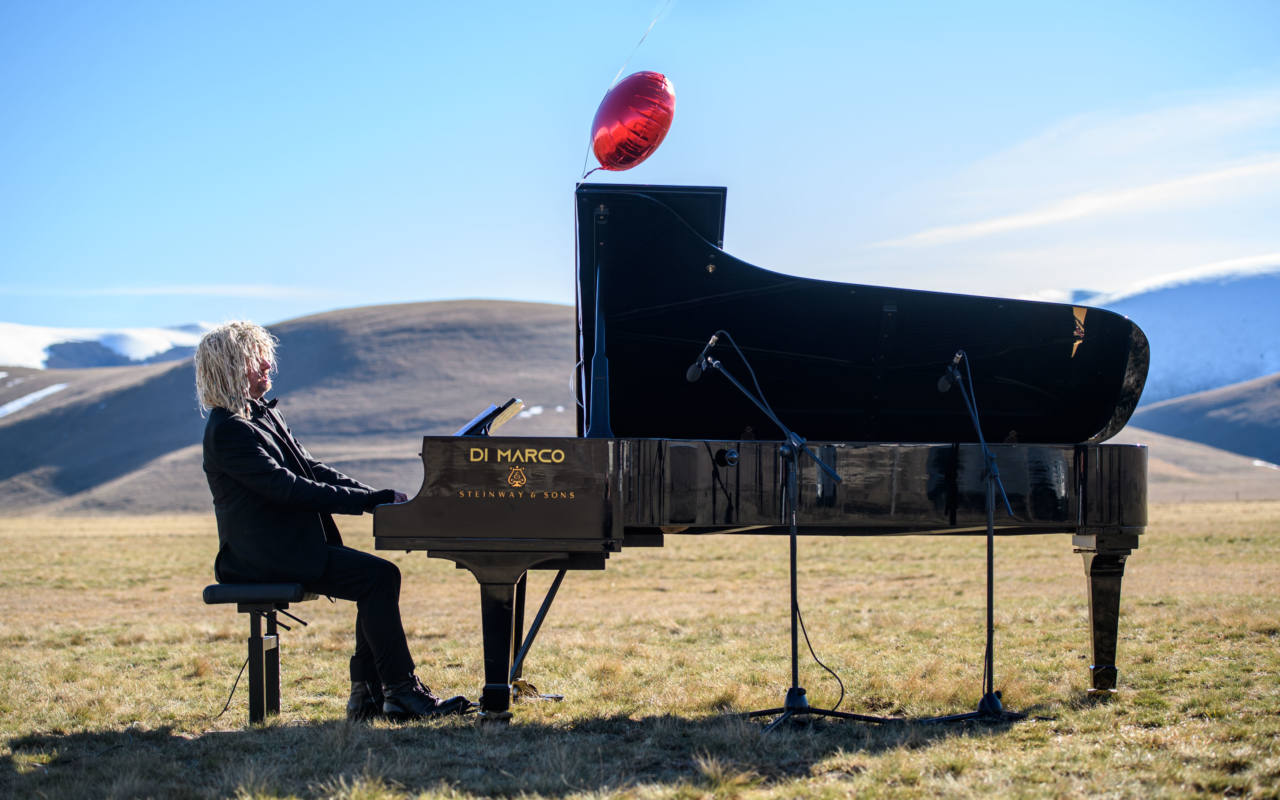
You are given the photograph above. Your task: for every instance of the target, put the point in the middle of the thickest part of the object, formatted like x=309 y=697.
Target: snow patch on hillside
x=27 y=345
x=1208 y=327
x=27 y=399
x=1218 y=272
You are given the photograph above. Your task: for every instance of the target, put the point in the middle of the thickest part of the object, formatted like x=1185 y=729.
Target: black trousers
x=382 y=654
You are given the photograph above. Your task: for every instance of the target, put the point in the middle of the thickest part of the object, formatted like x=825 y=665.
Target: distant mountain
x=1242 y=418
x=361 y=387
x=40 y=347
x=1206 y=330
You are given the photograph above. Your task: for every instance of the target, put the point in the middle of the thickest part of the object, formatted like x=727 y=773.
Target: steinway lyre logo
x=517 y=477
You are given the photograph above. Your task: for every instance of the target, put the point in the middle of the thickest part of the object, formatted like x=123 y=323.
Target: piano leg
x=497 y=616
x=501 y=576
x=1104 y=572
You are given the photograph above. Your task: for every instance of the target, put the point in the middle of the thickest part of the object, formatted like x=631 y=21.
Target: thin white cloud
x=253 y=291
x=1101 y=151
x=1190 y=188
x=1195 y=131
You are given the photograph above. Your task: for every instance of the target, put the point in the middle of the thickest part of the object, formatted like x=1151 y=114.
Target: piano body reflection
x=853 y=369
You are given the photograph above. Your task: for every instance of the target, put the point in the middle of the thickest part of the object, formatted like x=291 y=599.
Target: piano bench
x=261 y=601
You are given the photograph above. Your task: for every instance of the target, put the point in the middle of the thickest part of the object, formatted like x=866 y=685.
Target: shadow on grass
x=458 y=755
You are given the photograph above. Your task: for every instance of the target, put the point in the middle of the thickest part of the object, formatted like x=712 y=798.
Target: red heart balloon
x=632 y=120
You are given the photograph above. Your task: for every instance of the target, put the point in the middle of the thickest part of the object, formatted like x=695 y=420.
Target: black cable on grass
x=805 y=631
x=246 y=664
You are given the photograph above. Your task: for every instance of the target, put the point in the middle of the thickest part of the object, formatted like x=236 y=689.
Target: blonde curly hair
x=223 y=358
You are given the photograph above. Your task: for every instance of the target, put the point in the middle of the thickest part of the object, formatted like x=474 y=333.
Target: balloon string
x=585 y=174
x=652 y=22
x=587 y=155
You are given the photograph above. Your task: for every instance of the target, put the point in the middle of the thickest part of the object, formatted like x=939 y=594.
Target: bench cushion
x=256 y=593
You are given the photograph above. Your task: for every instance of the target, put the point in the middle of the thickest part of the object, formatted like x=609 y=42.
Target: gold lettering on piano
x=528 y=455
x=515 y=494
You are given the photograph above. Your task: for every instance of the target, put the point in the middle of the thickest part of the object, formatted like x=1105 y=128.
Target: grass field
x=114 y=671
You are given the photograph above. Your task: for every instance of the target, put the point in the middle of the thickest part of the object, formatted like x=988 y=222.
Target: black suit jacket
x=273 y=501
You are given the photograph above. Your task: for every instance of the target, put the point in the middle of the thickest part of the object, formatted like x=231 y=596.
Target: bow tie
x=259 y=407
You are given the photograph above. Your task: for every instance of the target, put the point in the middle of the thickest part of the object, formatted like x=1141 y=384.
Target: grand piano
x=853 y=369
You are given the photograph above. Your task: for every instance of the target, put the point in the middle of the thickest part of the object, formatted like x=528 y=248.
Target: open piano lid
x=838 y=361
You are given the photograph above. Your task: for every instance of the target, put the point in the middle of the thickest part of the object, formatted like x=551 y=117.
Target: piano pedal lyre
x=523 y=690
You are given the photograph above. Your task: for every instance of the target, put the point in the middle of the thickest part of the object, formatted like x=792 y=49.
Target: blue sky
x=164 y=163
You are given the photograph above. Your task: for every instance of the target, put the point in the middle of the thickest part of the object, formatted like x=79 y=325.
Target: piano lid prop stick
x=598 y=425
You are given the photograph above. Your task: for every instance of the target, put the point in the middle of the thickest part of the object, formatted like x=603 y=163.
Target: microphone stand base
x=797 y=705
x=990 y=709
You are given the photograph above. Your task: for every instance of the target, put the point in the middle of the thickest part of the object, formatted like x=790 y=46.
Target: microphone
x=949 y=377
x=696 y=369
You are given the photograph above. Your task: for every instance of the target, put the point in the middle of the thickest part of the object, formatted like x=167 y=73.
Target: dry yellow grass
x=114 y=671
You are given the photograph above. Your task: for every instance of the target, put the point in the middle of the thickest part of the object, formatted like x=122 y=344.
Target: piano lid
x=838 y=361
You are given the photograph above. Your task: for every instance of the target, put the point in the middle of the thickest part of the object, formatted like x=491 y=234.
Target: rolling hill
x=1242 y=418
x=1182 y=471
x=360 y=387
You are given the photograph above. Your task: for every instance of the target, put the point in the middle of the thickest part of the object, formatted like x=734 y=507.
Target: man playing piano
x=274 y=504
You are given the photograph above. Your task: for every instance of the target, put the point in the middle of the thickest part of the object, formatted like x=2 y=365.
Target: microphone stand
x=795 y=704
x=990 y=708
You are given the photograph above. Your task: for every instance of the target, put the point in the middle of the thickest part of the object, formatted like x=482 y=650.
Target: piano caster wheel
x=1101 y=695
x=494 y=718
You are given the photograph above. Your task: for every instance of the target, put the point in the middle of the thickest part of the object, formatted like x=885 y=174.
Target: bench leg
x=257 y=678
x=264 y=667
x=271 y=667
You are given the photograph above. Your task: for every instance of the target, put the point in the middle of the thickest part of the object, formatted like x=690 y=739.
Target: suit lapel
x=271 y=424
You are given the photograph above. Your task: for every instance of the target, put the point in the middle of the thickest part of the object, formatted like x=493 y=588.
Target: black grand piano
x=853 y=369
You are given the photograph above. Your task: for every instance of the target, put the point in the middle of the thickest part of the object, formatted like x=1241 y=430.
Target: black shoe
x=365 y=702
x=410 y=699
